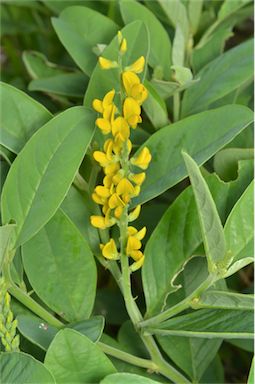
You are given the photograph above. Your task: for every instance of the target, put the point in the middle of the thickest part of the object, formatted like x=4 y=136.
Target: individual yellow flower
x=98 y=221
x=101 y=105
x=133 y=87
x=109 y=250
x=132 y=111
x=104 y=125
x=120 y=128
x=134 y=214
x=137 y=264
x=137 y=178
x=143 y=159
x=107 y=64
x=137 y=66
x=134 y=242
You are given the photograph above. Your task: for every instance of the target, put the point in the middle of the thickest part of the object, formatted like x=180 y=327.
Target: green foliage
x=187 y=317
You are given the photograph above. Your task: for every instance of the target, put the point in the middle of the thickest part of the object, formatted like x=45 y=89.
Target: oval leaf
x=43 y=172
x=73 y=358
x=77 y=29
x=18 y=367
x=61 y=268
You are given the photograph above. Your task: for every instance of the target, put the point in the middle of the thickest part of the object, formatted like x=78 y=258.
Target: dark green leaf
x=159 y=54
x=33 y=189
x=167 y=167
x=20 y=368
x=226 y=161
x=61 y=268
x=21 y=118
x=217 y=323
x=73 y=358
x=77 y=29
x=223 y=75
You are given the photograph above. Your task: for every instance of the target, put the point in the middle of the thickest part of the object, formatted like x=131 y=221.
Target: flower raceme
x=122 y=181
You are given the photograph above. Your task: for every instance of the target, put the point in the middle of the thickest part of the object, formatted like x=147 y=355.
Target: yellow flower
x=100 y=106
x=137 y=66
x=120 y=128
x=123 y=46
x=137 y=178
x=134 y=214
x=131 y=111
x=115 y=201
x=109 y=250
x=125 y=187
x=98 y=221
x=133 y=87
x=143 y=159
x=107 y=64
x=134 y=242
x=104 y=125
x=137 y=264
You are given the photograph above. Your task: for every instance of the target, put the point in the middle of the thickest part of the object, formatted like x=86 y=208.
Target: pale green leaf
x=225 y=162
x=126 y=378
x=231 y=6
x=6 y=234
x=194 y=14
x=227 y=300
x=155 y=107
x=34 y=189
x=73 y=358
x=178 y=54
x=251 y=373
x=176 y=13
x=211 y=226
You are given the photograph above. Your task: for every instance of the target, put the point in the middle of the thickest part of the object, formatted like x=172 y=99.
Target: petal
x=133 y=244
x=137 y=66
x=107 y=64
x=134 y=214
x=129 y=79
x=109 y=250
x=104 y=125
x=98 y=221
x=102 y=191
x=108 y=99
x=138 y=178
x=143 y=159
x=140 y=235
x=97 y=105
x=131 y=107
x=124 y=187
x=137 y=265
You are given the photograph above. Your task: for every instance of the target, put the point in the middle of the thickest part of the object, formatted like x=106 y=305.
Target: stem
x=80 y=183
x=184 y=304
x=138 y=361
x=31 y=304
x=176 y=100
x=26 y=300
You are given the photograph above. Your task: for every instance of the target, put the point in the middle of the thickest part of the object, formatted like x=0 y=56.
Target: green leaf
x=33 y=189
x=69 y=84
x=225 y=162
x=38 y=65
x=251 y=373
x=61 y=268
x=73 y=358
x=194 y=14
x=6 y=234
x=220 y=77
x=192 y=355
x=42 y=334
x=167 y=167
x=230 y=6
x=239 y=231
x=21 y=118
x=20 y=368
x=176 y=14
x=211 y=49
x=180 y=222
x=155 y=107
x=210 y=223
x=77 y=29
x=178 y=54
x=103 y=81
x=159 y=54
x=79 y=207
x=228 y=300
x=210 y=323
x=126 y=378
